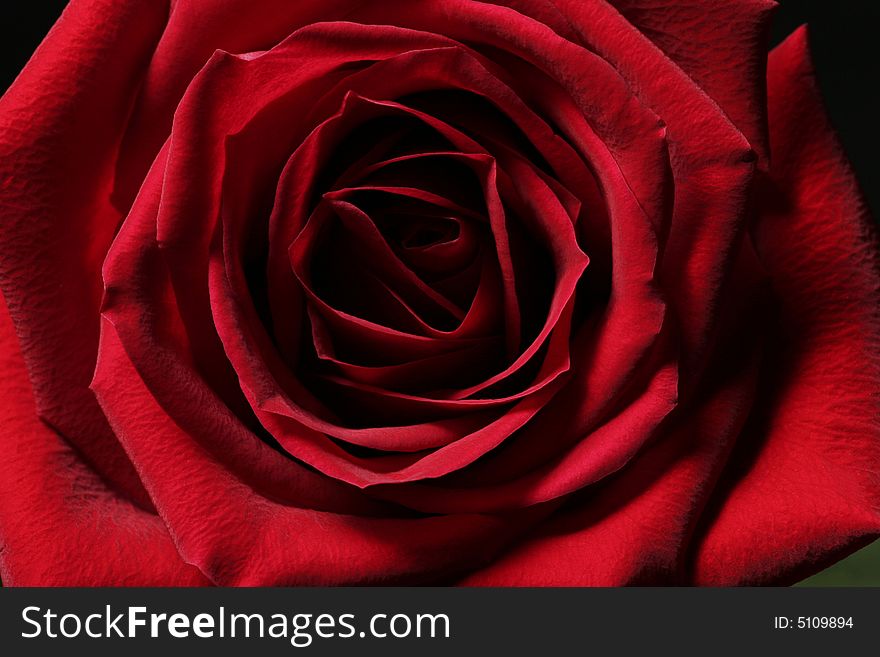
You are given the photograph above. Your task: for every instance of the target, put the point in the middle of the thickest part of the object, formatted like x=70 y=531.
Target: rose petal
x=721 y=46
x=195 y=30
x=802 y=489
x=60 y=124
x=634 y=527
x=140 y=304
x=712 y=164
x=60 y=524
x=242 y=538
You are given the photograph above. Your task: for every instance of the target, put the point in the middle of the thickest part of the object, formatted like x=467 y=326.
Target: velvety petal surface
x=60 y=522
x=802 y=488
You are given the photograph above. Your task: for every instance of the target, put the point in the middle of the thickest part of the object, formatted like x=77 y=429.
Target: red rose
x=430 y=291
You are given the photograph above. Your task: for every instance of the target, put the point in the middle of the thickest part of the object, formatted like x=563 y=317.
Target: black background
x=844 y=40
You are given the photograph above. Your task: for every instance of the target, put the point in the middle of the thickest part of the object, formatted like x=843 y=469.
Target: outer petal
x=721 y=46
x=803 y=487
x=60 y=125
x=59 y=523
